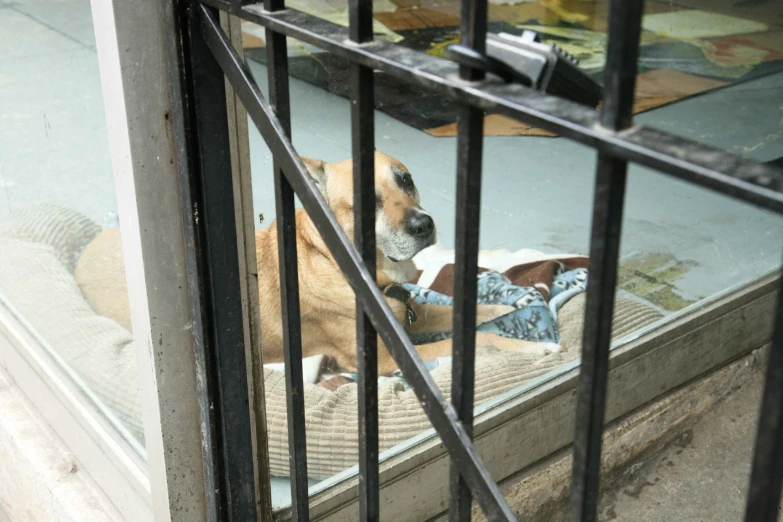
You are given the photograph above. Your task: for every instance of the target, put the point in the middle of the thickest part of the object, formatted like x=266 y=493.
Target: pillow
x=63 y=229
x=38 y=287
x=331 y=417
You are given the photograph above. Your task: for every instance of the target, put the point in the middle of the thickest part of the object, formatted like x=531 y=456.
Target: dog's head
x=402 y=227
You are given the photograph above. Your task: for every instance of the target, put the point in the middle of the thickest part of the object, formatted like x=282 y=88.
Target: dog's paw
x=487 y=313
x=540 y=349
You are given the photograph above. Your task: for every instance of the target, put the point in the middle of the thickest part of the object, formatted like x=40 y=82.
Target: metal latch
x=526 y=60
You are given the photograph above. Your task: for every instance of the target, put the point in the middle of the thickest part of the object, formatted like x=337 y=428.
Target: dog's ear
x=317 y=172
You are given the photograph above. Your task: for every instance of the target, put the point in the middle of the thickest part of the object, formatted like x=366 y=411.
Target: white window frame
x=164 y=479
x=170 y=484
x=78 y=419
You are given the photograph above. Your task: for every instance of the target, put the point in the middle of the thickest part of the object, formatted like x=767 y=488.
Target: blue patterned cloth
x=534 y=319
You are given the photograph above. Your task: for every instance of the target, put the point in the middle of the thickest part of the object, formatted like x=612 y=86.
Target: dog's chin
x=398 y=256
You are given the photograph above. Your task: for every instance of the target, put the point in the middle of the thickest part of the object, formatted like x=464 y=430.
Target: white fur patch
x=399 y=272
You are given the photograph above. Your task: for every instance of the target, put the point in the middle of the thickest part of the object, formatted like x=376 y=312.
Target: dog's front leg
x=438 y=318
x=431 y=351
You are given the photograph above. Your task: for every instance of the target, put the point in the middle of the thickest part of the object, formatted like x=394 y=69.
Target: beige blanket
x=331 y=416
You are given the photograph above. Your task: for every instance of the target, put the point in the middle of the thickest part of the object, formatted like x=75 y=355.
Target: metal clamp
x=528 y=61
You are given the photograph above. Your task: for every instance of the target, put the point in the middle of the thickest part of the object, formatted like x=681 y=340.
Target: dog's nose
x=420 y=225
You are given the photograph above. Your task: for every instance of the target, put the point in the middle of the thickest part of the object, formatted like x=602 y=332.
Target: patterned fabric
x=534 y=319
x=331 y=419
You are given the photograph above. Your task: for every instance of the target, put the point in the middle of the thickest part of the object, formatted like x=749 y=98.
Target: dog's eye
x=407 y=181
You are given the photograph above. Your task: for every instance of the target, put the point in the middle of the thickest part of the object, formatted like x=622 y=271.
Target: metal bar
x=214 y=215
x=470 y=134
x=711 y=168
x=229 y=6
x=439 y=411
x=248 y=267
x=766 y=477
x=625 y=18
x=236 y=5
x=190 y=191
x=363 y=145
x=279 y=98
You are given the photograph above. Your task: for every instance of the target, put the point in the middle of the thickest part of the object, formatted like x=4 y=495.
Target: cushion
x=44 y=294
x=63 y=229
x=332 y=416
x=35 y=278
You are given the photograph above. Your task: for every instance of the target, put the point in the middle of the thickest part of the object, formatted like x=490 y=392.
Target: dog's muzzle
x=420 y=225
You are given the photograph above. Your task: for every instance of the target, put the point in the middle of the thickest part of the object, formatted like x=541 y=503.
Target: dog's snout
x=420 y=225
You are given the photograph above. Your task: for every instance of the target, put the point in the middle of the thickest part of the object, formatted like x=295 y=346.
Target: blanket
x=536 y=290
x=535 y=306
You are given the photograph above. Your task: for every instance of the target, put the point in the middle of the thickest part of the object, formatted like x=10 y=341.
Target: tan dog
x=403 y=228
x=327 y=302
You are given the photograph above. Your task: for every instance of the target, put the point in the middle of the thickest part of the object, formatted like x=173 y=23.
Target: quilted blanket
x=536 y=290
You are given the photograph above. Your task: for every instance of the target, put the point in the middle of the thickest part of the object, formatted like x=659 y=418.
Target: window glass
x=707 y=71
x=58 y=221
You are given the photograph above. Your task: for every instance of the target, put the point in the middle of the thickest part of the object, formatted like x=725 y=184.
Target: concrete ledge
x=40 y=479
x=540 y=493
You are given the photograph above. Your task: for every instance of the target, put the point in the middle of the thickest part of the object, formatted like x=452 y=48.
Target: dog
x=327 y=302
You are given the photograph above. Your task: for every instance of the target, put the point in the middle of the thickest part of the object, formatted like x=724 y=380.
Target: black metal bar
x=440 y=413
x=625 y=19
x=711 y=168
x=185 y=139
x=213 y=214
x=279 y=98
x=470 y=134
x=363 y=144
x=766 y=478
x=230 y=6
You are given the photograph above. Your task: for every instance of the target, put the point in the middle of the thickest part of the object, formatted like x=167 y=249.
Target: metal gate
x=206 y=57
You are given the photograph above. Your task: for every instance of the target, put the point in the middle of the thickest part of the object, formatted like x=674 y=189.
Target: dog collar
x=400 y=293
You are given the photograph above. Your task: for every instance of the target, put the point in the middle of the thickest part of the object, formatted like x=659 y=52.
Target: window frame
x=107 y=457
x=147 y=162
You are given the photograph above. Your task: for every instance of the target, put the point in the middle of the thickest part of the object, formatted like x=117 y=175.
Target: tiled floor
x=538 y=191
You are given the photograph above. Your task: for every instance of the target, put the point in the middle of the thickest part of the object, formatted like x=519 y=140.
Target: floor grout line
x=50 y=27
